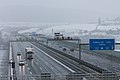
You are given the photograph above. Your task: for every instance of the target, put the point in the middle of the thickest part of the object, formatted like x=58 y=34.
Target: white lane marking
x=40 y=68
x=30 y=72
x=55 y=59
x=28 y=68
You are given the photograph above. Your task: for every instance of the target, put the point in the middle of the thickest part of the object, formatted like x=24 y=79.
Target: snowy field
x=70 y=29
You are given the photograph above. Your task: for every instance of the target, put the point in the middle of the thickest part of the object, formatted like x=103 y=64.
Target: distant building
x=58 y=35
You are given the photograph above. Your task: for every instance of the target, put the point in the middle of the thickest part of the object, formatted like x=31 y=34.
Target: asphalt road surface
x=41 y=63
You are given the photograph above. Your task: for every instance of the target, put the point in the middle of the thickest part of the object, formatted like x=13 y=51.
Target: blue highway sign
x=102 y=44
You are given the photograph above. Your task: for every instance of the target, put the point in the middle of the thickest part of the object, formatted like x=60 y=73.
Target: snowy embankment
x=70 y=29
x=112 y=27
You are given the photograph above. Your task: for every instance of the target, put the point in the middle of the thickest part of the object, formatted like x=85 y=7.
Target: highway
x=87 y=56
x=41 y=63
x=45 y=61
x=20 y=70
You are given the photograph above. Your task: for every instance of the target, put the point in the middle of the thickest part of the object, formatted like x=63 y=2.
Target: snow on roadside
x=28 y=30
x=66 y=29
x=70 y=29
x=112 y=27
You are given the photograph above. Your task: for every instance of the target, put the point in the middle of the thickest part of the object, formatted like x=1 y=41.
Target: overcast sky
x=71 y=11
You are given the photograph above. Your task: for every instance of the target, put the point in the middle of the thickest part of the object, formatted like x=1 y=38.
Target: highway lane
x=31 y=65
x=20 y=70
x=39 y=68
x=70 y=64
x=93 y=59
x=44 y=63
x=88 y=57
x=29 y=72
x=15 y=51
x=107 y=54
x=67 y=61
x=60 y=47
x=101 y=62
x=36 y=61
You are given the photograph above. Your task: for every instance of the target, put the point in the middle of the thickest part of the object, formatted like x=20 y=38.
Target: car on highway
x=21 y=63
x=72 y=49
x=64 y=49
x=18 y=54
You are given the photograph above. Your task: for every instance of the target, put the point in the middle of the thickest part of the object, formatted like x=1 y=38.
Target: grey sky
x=58 y=10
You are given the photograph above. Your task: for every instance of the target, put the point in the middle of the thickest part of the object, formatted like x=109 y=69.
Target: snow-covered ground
x=29 y=30
x=82 y=31
x=112 y=27
x=71 y=29
x=68 y=29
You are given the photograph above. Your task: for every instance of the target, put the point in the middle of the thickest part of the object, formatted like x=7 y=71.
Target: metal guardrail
x=71 y=76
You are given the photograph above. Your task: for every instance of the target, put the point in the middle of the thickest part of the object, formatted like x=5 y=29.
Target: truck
x=29 y=53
